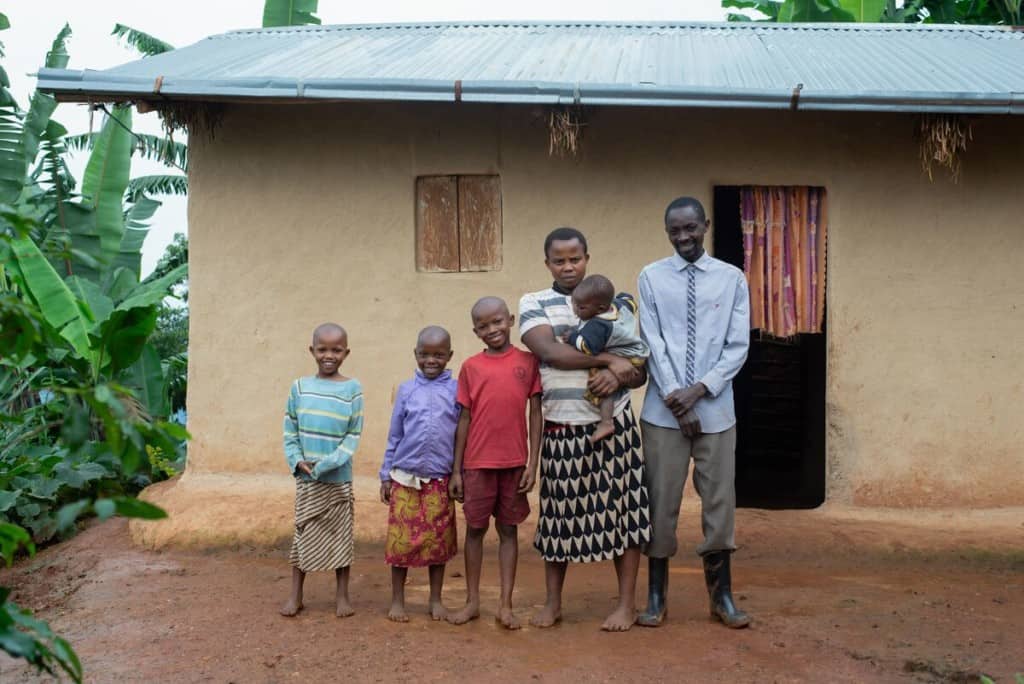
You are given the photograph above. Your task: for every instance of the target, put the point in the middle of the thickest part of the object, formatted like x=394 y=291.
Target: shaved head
x=433 y=334
x=486 y=305
x=329 y=330
x=597 y=287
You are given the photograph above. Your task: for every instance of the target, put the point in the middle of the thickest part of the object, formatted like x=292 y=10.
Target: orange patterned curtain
x=784 y=232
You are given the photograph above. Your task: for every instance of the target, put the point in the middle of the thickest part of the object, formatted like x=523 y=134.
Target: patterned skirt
x=421 y=525
x=593 y=502
x=323 y=526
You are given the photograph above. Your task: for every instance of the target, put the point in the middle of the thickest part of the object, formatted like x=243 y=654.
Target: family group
x=558 y=415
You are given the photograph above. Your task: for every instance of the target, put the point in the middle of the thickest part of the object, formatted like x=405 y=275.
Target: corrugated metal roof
x=891 y=67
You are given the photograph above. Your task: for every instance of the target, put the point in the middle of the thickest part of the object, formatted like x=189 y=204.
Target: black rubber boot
x=657 y=593
x=719 y=581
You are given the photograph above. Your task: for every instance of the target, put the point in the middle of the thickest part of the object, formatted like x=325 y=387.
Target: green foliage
x=913 y=11
x=85 y=395
x=23 y=636
x=289 y=13
x=163 y=184
x=153 y=147
x=143 y=42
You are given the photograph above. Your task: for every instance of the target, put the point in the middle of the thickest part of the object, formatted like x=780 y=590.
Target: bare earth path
x=836 y=597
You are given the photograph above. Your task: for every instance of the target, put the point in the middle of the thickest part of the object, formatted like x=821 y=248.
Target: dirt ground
x=836 y=597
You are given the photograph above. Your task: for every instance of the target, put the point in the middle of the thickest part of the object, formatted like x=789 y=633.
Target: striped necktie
x=691 y=323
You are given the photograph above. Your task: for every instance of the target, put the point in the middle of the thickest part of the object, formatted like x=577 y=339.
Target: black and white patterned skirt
x=593 y=502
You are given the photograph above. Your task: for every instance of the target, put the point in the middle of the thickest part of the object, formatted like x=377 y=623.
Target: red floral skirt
x=421 y=525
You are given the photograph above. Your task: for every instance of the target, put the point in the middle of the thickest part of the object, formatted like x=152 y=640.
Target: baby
x=607 y=323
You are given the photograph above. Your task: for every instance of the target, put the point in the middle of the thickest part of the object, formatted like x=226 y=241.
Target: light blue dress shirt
x=723 y=336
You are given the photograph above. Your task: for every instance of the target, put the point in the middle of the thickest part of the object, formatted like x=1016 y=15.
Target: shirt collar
x=701 y=263
x=559 y=289
x=421 y=379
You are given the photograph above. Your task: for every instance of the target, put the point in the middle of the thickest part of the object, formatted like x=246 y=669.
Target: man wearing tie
x=695 y=316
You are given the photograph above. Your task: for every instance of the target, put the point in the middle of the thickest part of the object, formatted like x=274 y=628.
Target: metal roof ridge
x=853 y=27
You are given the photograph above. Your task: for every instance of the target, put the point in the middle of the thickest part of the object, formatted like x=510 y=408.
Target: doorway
x=780 y=398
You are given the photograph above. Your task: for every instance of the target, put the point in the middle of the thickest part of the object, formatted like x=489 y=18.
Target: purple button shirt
x=421 y=439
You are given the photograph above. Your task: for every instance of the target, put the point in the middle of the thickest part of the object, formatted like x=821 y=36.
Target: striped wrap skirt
x=323 y=526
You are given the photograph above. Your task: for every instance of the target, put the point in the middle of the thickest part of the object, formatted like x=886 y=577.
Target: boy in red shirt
x=491 y=474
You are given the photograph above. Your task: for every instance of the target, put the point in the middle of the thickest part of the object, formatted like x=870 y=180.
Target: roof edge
x=78 y=85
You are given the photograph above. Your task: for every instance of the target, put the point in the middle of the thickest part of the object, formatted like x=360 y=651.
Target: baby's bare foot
x=547 y=616
x=291 y=608
x=438 y=611
x=621 y=620
x=397 y=613
x=344 y=608
x=470 y=611
x=507 y=618
x=602 y=430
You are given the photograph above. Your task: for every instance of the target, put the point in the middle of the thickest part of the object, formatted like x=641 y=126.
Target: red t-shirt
x=496 y=389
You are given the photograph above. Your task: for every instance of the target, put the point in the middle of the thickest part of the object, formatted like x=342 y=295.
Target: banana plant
x=289 y=13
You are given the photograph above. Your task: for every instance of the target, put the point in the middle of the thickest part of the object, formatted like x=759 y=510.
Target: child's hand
x=305 y=467
x=564 y=337
x=455 y=487
x=385 y=491
x=527 y=481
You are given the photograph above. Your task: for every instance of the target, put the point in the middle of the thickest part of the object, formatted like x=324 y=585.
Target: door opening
x=780 y=398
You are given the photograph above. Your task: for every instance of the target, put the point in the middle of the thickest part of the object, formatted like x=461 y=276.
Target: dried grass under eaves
x=192 y=117
x=943 y=139
x=565 y=131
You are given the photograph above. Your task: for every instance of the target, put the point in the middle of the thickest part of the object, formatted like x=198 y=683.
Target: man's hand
x=683 y=400
x=689 y=423
x=385 y=491
x=527 y=481
x=305 y=467
x=455 y=487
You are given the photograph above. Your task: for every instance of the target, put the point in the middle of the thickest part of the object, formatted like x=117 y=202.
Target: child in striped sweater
x=322 y=426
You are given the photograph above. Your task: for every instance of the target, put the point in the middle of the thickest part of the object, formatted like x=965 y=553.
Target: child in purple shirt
x=415 y=473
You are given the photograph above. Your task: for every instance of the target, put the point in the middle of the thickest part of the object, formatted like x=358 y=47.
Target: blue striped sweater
x=323 y=423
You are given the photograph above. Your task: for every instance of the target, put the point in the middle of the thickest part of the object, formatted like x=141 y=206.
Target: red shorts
x=492 y=491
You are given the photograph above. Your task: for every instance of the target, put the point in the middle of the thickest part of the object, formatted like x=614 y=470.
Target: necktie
x=691 y=323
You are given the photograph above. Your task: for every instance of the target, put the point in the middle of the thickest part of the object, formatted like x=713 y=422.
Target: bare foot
x=602 y=430
x=620 y=621
x=344 y=608
x=397 y=613
x=468 y=612
x=291 y=608
x=547 y=616
x=507 y=619
x=438 y=611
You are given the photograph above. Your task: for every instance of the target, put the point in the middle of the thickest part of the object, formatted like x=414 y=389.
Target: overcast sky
x=34 y=23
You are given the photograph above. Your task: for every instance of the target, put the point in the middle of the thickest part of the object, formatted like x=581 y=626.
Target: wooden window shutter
x=437 y=224
x=479 y=223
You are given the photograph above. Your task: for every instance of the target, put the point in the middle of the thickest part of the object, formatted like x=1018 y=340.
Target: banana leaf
x=41 y=106
x=289 y=13
x=152 y=291
x=143 y=42
x=95 y=304
x=146 y=377
x=136 y=228
x=124 y=334
x=55 y=300
x=147 y=146
x=159 y=184
x=869 y=11
x=105 y=180
x=12 y=156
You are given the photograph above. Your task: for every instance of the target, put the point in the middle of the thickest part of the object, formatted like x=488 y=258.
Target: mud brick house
x=386 y=176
